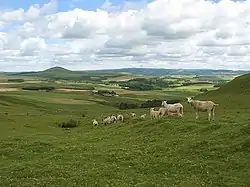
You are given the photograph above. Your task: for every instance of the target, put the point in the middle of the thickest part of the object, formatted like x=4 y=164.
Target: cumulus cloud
x=161 y=34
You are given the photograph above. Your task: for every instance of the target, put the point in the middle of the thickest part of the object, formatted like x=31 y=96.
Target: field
x=170 y=151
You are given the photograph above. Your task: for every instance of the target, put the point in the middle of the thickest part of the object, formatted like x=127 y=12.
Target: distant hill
x=141 y=71
x=62 y=73
x=97 y=75
x=162 y=72
x=55 y=71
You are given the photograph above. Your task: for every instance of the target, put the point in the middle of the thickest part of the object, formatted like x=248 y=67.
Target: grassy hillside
x=163 y=152
x=234 y=94
x=239 y=85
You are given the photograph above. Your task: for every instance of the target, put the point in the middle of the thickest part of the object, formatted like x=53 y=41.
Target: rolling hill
x=59 y=71
x=239 y=85
x=62 y=73
x=234 y=94
x=162 y=72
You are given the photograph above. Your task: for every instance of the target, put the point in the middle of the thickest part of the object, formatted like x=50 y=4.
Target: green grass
x=194 y=88
x=164 y=152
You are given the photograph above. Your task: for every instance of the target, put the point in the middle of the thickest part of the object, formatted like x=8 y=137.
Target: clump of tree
x=194 y=83
x=146 y=104
x=104 y=92
x=15 y=80
x=142 y=84
x=38 y=88
x=83 y=87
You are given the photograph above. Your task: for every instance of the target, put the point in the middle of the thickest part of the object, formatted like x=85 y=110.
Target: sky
x=109 y=34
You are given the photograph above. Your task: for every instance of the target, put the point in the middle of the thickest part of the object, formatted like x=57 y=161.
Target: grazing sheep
x=163 y=111
x=143 y=116
x=107 y=120
x=203 y=106
x=173 y=108
x=153 y=113
x=95 y=123
x=113 y=119
x=133 y=114
x=120 y=117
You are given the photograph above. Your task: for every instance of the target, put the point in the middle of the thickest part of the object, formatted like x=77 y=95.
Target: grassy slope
x=165 y=152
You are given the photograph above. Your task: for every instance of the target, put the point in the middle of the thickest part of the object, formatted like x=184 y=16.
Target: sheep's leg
x=213 y=113
x=209 y=115
x=197 y=115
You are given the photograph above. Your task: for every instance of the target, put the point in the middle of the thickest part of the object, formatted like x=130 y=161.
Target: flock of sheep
x=169 y=110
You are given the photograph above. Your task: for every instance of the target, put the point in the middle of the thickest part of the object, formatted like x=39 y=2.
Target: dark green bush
x=203 y=90
x=151 y=103
x=126 y=105
x=15 y=80
x=69 y=124
x=37 y=88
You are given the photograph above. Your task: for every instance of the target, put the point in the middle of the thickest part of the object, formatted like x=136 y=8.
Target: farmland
x=170 y=151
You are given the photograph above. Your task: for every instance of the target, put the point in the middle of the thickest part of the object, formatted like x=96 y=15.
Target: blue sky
x=63 y=4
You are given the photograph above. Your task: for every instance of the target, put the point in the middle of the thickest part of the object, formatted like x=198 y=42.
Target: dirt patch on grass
x=71 y=90
x=122 y=91
x=8 y=89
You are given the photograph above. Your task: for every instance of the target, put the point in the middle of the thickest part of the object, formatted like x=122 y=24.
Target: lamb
x=203 y=106
x=94 y=122
x=143 y=116
x=113 y=119
x=107 y=120
x=120 y=118
x=133 y=114
x=153 y=113
x=173 y=108
x=163 y=111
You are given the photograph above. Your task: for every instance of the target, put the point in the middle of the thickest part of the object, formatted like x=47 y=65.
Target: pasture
x=170 y=151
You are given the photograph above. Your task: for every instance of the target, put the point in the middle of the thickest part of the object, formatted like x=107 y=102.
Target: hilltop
x=62 y=73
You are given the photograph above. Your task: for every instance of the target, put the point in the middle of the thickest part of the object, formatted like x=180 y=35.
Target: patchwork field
x=170 y=151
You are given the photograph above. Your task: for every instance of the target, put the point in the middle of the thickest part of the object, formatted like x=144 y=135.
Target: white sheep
x=120 y=117
x=173 y=108
x=143 y=116
x=202 y=106
x=113 y=119
x=94 y=122
x=153 y=113
x=163 y=111
x=107 y=120
x=133 y=114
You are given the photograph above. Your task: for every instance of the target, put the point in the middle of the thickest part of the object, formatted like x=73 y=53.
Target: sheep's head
x=163 y=103
x=189 y=99
x=152 y=108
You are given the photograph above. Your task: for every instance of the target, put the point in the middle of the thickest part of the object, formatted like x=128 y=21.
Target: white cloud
x=162 y=34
